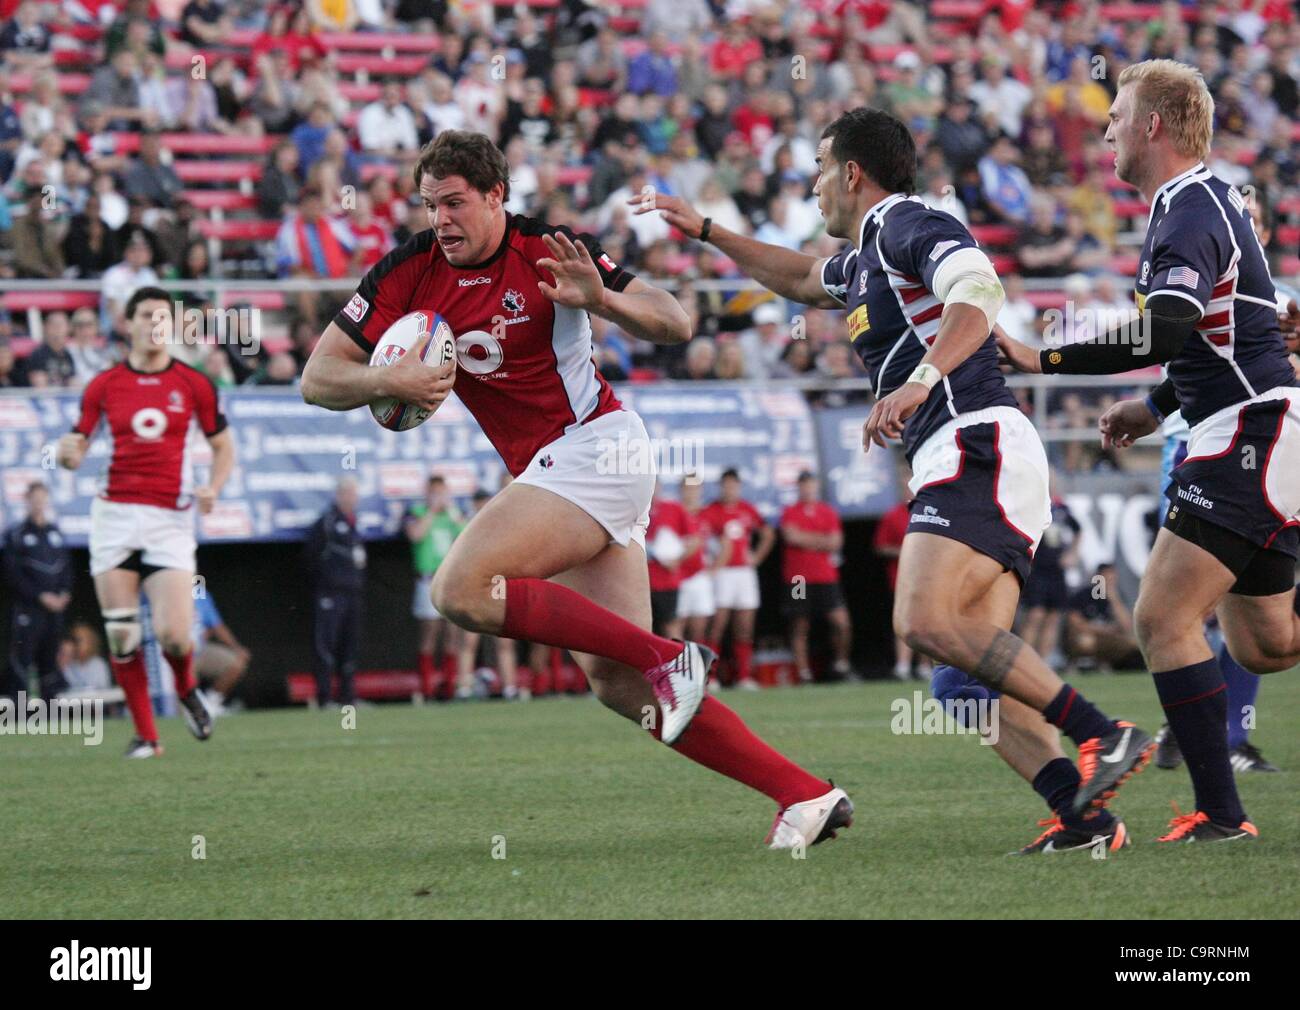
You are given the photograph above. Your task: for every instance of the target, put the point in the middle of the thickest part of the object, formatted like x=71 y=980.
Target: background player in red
x=888 y=544
x=695 y=603
x=142 y=523
x=810 y=569
x=671 y=540
x=734 y=522
x=571 y=527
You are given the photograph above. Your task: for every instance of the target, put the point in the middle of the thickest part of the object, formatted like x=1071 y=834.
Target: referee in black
x=38 y=572
x=335 y=557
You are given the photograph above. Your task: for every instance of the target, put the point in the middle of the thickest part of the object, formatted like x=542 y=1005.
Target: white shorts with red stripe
x=982 y=479
x=1242 y=470
x=158 y=537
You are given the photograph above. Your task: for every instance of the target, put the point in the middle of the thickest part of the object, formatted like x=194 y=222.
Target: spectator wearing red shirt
x=888 y=544
x=813 y=537
x=671 y=539
x=374 y=240
x=734 y=522
x=734 y=50
x=695 y=603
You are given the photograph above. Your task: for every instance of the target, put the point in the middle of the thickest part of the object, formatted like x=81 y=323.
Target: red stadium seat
x=571 y=175
x=381 y=66
x=1003 y=263
x=1045 y=299
x=379 y=41
x=1288 y=235
x=217 y=171
x=239 y=230
x=995 y=234
x=1132 y=208
x=354 y=92
x=219 y=199
x=201 y=143
x=69 y=84
x=50 y=301
x=377 y=168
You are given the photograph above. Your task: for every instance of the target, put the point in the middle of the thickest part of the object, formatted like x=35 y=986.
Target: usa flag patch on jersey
x=1184 y=277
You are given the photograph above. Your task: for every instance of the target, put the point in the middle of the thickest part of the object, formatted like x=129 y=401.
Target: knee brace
x=122 y=629
x=949 y=684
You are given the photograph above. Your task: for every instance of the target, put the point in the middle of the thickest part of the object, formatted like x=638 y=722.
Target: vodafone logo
x=469 y=282
x=479 y=353
x=149 y=423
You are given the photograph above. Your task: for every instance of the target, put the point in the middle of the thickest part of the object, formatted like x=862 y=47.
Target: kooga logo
x=102 y=964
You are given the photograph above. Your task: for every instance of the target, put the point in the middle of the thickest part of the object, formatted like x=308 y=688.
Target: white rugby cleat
x=680 y=686
x=812 y=821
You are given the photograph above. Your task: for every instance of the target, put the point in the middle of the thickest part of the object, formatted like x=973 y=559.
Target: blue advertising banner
x=860 y=485
x=292 y=455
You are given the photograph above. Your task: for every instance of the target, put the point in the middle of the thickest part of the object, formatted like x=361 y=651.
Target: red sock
x=428 y=675
x=744 y=653
x=450 y=668
x=719 y=740
x=134 y=681
x=551 y=614
x=182 y=672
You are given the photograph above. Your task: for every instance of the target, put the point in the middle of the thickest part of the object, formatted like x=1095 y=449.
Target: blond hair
x=1177 y=93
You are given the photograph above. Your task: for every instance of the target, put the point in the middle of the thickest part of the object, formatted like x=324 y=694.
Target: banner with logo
x=291 y=456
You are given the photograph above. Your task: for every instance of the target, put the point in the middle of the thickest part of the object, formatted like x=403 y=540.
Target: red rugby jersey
x=737 y=523
x=816 y=567
x=524 y=367
x=148 y=417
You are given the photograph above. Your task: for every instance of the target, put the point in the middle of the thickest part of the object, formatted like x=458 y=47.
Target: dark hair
x=37 y=485
x=732 y=472
x=437 y=478
x=150 y=294
x=880 y=143
x=470 y=155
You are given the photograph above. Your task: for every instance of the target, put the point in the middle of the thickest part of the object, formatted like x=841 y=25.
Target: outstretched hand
x=577 y=281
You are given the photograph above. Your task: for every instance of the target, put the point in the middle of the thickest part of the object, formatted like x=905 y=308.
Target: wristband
x=704 y=229
x=925 y=375
x=1155 y=411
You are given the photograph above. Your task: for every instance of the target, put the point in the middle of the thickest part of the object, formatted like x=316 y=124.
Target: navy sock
x=1075 y=716
x=1242 y=688
x=1195 y=701
x=1057 y=782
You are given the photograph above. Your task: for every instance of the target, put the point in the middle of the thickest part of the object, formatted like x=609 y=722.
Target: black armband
x=1153 y=338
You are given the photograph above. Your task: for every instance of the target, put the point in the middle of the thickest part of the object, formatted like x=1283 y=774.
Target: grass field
x=399 y=817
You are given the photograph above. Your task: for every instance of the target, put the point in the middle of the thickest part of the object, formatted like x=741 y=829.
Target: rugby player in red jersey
x=570 y=528
x=142 y=522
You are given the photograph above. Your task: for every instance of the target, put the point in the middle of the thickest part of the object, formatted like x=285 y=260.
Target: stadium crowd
x=144 y=139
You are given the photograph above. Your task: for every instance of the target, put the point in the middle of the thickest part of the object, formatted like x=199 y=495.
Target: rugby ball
x=403 y=335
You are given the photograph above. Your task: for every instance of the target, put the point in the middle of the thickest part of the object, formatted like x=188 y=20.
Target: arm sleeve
x=918 y=246
x=1153 y=338
x=92 y=406
x=612 y=275
x=836 y=272
x=207 y=406
x=1165 y=398
x=384 y=294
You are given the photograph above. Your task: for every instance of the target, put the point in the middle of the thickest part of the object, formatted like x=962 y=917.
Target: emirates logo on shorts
x=546 y=462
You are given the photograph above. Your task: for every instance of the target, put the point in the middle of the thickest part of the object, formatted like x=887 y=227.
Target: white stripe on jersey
x=571 y=343
x=927 y=330
x=1226 y=301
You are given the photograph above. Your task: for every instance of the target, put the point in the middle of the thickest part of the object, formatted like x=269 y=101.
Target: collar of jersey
x=501 y=249
x=140 y=371
x=1177 y=184
x=878 y=212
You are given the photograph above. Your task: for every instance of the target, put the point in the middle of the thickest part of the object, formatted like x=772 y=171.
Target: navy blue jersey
x=893 y=316
x=1201 y=246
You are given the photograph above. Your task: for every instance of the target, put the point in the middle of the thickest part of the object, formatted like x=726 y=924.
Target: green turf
x=397 y=818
